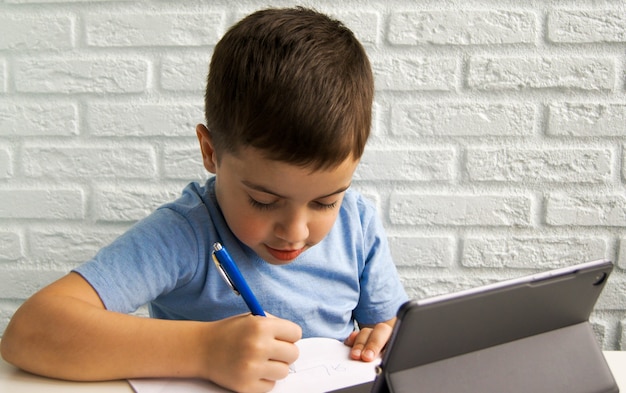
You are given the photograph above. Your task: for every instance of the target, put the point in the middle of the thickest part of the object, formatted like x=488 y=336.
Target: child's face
x=277 y=209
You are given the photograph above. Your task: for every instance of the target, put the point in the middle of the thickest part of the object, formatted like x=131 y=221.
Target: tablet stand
x=563 y=360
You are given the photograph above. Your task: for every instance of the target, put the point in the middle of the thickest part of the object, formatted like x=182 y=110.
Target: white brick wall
x=499 y=143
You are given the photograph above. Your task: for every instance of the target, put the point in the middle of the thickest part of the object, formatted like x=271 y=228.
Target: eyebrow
x=261 y=188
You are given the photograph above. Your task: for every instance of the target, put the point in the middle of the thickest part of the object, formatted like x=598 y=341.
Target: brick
x=587 y=119
x=586 y=210
x=378 y=110
x=7 y=309
x=80 y=75
x=128 y=203
x=89 y=162
x=22 y=283
x=184 y=163
x=460 y=119
x=421 y=286
x=460 y=210
x=6 y=163
x=42 y=204
x=11 y=246
x=38 y=119
x=153 y=29
x=523 y=73
x=624 y=162
x=413 y=165
x=69 y=244
x=3 y=76
x=414 y=73
x=414 y=251
x=531 y=252
x=462 y=27
x=622 y=345
x=579 y=26
x=62 y=1
x=365 y=25
x=35 y=32
x=621 y=256
x=473 y=84
x=613 y=296
x=141 y=120
x=185 y=72
x=599 y=328
x=539 y=165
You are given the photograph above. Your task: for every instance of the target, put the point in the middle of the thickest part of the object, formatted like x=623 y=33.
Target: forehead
x=250 y=167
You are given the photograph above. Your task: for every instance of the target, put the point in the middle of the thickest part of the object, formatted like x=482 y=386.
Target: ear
x=209 y=157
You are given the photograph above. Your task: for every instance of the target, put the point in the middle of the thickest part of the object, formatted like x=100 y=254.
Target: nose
x=293 y=227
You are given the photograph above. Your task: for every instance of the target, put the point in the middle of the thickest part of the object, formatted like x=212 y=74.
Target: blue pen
x=234 y=279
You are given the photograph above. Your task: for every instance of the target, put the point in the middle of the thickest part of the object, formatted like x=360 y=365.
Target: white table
x=617 y=362
x=13 y=380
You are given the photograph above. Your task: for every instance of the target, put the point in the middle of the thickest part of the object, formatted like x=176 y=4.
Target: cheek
x=248 y=228
x=319 y=228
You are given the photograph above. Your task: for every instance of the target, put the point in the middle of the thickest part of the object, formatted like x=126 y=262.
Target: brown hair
x=293 y=83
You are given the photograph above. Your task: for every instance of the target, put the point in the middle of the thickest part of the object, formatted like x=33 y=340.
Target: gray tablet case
x=529 y=334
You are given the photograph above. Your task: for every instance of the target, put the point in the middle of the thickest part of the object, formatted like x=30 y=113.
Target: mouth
x=284 y=255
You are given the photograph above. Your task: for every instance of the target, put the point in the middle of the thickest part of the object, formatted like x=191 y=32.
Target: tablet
x=529 y=334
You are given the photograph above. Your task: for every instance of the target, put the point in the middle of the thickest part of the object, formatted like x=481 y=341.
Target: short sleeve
x=156 y=255
x=381 y=293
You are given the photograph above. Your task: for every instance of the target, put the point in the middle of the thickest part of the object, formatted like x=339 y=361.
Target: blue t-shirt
x=165 y=260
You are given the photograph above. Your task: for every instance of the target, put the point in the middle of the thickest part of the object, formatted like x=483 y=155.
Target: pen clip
x=231 y=274
x=223 y=273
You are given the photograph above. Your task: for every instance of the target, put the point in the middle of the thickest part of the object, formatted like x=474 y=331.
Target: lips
x=284 y=255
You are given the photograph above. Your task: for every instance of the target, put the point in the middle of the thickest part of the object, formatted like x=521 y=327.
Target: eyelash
x=268 y=206
x=327 y=206
x=260 y=206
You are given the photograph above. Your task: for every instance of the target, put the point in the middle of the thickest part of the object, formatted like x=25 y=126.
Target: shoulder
x=358 y=209
x=193 y=196
x=196 y=205
x=354 y=201
x=183 y=224
x=358 y=227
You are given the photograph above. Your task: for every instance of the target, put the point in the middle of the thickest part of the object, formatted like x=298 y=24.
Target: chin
x=278 y=262
x=273 y=260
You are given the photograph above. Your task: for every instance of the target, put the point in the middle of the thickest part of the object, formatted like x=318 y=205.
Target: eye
x=259 y=205
x=325 y=206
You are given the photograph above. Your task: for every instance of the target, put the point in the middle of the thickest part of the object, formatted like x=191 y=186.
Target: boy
x=288 y=111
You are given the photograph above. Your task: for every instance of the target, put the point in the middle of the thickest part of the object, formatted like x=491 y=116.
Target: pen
x=234 y=279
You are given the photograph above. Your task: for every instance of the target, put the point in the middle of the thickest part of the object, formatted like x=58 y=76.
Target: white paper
x=324 y=364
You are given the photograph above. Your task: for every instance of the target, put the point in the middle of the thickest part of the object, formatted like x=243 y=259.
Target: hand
x=249 y=353
x=369 y=342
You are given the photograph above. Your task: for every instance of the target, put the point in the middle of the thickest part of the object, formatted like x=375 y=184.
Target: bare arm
x=64 y=331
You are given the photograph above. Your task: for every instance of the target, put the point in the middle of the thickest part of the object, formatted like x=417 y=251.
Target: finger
x=359 y=341
x=286 y=330
x=285 y=352
x=350 y=340
x=275 y=370
x=259 y=385
x=376 y=342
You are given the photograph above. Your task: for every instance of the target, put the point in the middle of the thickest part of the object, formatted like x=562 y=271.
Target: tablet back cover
x=484 y=325
x=559 y=361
